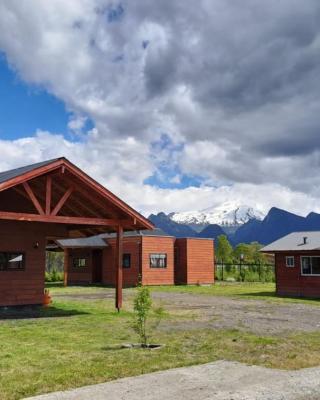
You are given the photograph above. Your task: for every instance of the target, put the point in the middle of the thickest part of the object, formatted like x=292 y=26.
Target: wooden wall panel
x=290 y=282
x=180 y=262
x=157 y=276
x=27 y=286
x=132 y=246
x=80 y=275
x=200 y=256
x=194 y=261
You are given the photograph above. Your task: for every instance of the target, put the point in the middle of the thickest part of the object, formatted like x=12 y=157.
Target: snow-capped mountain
x=227 y=214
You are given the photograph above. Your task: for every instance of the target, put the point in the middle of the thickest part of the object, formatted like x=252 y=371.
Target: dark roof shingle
x=14 y=173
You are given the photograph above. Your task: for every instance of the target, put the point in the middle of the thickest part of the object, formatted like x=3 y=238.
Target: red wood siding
x=132 y=246
x=194 y=261
x=157 y=276
x=27 y=286
x=189 y=261
x=290 y=282
x=180 y=261
x=80 y=275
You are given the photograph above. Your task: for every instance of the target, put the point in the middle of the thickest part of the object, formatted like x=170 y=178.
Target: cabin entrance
x=97 y=266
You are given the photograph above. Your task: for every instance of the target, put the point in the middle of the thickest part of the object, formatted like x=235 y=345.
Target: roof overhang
x=80 y=202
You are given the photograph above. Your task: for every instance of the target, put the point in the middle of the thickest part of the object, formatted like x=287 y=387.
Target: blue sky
x=188 y=117
x=26 y=108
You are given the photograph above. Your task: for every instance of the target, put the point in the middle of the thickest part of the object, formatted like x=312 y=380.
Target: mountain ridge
x=275 y=224
x=227 y=214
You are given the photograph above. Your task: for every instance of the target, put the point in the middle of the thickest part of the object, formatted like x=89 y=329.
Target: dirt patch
x=256 y=316
x=85 y=296
x=218 y=312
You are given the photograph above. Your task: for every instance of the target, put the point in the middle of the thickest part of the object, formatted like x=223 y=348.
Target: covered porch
x=47 y=201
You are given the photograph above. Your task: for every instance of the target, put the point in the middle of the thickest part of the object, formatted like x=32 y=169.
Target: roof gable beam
x=63 y=219
x=62 y=201
x=33 y=198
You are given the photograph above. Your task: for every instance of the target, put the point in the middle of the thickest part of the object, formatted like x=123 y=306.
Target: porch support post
x=65 y=267
x=119 y=251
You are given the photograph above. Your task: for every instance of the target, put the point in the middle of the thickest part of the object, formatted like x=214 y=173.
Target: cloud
x=126 y=182
x=233 y=84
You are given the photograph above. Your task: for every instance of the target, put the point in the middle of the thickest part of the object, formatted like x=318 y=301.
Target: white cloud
x=235 y=82
x=124 y=176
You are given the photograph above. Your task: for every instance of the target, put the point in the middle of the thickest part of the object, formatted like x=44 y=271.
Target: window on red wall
x=126 y=260
x=12 y=261
x=290 y=261
x=158 y=261
x=310 y=265
x=80 y=262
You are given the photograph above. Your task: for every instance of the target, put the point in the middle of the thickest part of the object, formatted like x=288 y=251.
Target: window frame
x=291 y=258
x=158 y=254
x=301 y=269
x=23 y=262
x=80 y=267
x=123 y=257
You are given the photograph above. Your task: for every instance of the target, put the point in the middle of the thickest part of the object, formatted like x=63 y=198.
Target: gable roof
x=295 y=242
x=98 y=240
x=92 y=195
x=14 y=173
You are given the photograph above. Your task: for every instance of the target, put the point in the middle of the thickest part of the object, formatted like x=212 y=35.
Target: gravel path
x=219 y=312
x=221 y=380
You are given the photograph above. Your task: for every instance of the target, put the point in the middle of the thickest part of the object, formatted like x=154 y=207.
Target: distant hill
x=277 y=223
x=163 y=221
x=211 y=231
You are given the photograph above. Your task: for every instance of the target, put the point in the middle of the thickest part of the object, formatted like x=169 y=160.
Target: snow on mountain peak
x=227 y=214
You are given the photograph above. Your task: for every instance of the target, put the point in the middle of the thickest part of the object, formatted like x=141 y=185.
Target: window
x=290 y=261
x=126 y=260
x=158 y=261
x=310 y=265
x=80 y=262
x=11 y=261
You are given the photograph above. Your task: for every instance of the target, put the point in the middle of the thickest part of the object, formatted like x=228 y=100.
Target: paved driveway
x=220 y=380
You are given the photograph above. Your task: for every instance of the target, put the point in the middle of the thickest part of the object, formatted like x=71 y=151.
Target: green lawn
x=75 y=343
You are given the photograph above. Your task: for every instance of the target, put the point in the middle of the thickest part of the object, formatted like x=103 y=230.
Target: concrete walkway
x=220 y=380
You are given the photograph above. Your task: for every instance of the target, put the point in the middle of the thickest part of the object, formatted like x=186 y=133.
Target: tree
x=142 y=308
x=223 y=250
x=251 y=253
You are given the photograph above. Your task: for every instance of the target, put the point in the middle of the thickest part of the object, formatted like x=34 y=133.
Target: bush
x=142 y=308
x=54 y=276
x=248 y=273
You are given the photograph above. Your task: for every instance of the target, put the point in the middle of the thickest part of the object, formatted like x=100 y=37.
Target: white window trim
x=302 y=274
x=290 y=266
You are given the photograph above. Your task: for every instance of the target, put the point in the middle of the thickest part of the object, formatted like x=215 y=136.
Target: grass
x=248 y=290
x=75 y=343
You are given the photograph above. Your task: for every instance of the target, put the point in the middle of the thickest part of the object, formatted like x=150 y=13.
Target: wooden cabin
x=194 y=261
x=51 y=200
x=297 y=264
x=151 y=257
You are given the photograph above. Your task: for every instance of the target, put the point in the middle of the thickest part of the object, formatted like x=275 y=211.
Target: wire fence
x=244 y=272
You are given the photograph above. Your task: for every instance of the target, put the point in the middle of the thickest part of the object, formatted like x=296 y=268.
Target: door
x=97 y=266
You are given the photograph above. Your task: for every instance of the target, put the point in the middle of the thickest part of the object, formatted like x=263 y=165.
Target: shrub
x=54 y=276
x=142 y=308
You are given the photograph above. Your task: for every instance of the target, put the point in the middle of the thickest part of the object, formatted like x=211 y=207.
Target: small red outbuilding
x=150 y=256
x=297 y=264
